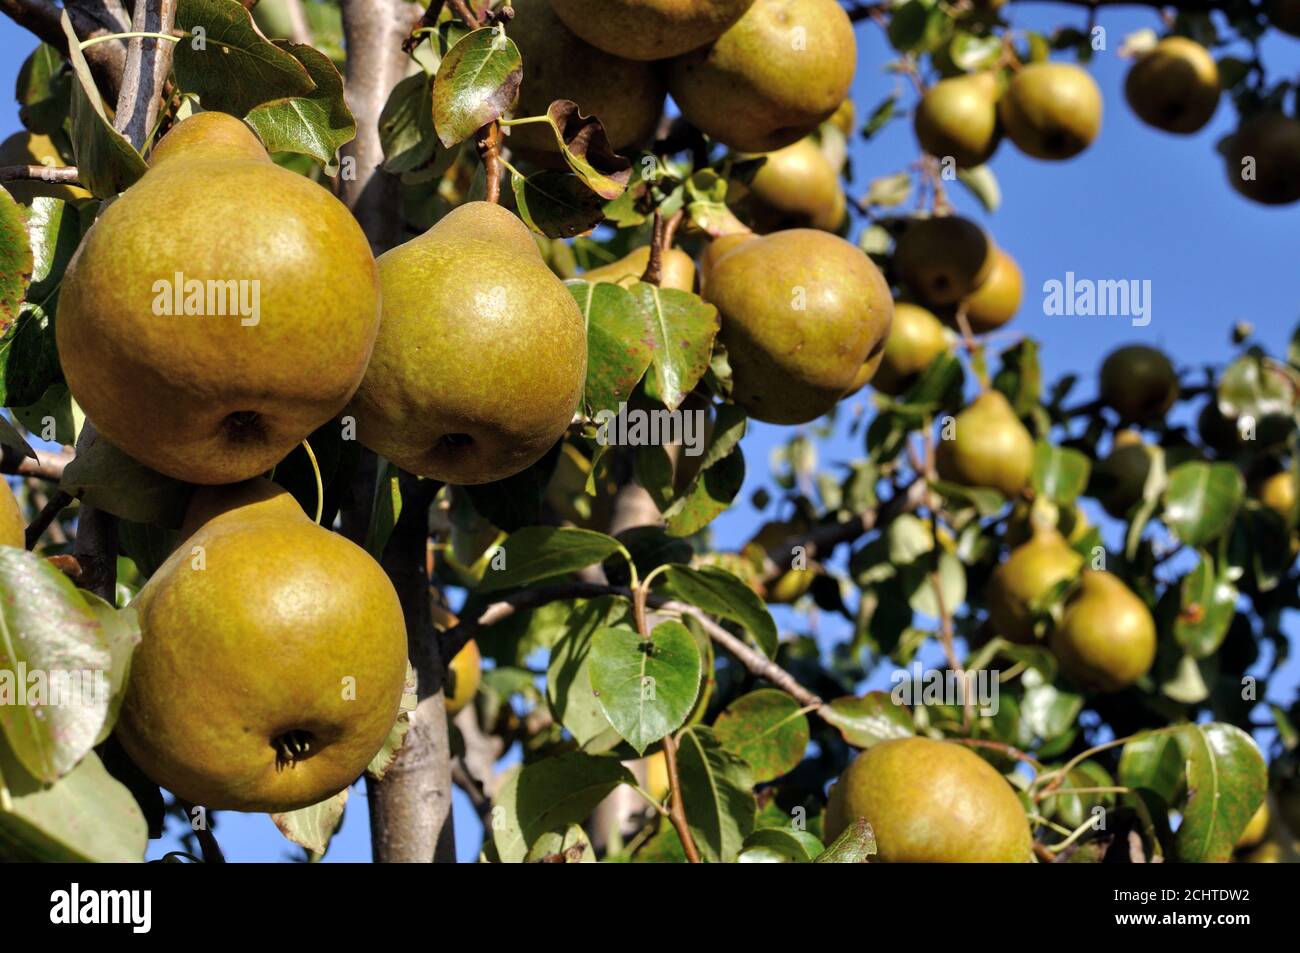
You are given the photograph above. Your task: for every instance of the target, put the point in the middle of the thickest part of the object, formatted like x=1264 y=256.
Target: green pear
x=482 y=354
x=1175 y=86
x=1106 y=639
x=1025 y=579
x=1051 y=110
x=1138 y=382
x=677 y=269
x=796 y=187
x=958 y=117
x=989 y=447
x=219 y=311
x=13 y=528
x=272 y=659
x=915 y=340
x=866 y=373
x=943 y=259
x=771 y=79
x=930 y=802
x=997 y=300
x=627 y=96
x=801 y=312
x=30 y=148
x=717 y=248
x=649 y=29
x=1263 y=158
x=1118 y=480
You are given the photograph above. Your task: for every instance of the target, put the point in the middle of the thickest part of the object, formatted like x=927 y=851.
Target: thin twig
x=49 y=512
x=48 y=465
x=654 y=269
x=61 y=175
x=488 y=140
x=677 y=811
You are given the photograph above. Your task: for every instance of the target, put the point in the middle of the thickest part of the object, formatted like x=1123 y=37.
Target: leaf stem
x=677 y=808
x=127 y=36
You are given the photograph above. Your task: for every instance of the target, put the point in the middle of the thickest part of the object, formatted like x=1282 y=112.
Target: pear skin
x=718 y=247
x=755 y=89
x=958 y=118
x=263 y=633
x=1278 y=493
x=677 y=269
x=1026 y=577
x=217 y=397
x=796 y=188
x=1106 y=640
x=801 y=312
x=649 y=29
x=627 y=96
x=943 y=259
x=989 y=448
x=13 y=528
x=1119 y=480
x=482 y=355
x=915 y=340
x=997 y=299
x=1174 y=87
x=465 y=671
x=1138 y=382
x=1267 y=146
x=1051 y=110
x=930 y=802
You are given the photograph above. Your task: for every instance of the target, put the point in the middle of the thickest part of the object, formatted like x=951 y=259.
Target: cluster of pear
x=1048 y=111
x=756 y=75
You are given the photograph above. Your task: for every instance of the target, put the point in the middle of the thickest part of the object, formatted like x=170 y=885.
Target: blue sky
x=1139 y=204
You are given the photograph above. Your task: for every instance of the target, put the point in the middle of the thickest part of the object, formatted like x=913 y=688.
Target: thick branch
x=90 y=18
x=148 y=61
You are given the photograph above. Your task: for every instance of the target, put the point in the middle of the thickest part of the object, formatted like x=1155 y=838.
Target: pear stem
x=320 y=490
x=489 y=150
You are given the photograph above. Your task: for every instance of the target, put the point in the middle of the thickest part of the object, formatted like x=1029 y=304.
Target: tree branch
x=48 y=465
x=148 y=61
x=90 y=18
x=62 y=175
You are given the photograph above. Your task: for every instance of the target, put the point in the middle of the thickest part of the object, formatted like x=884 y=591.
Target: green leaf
x=682 y=328
x=854 y=846
x=1207 y=604
x=1226 y=782
x=618 y=346
x=385 y=509
x=969 y=52
x=1060 y=473
x=104 y=477
x=549 y=794
x=121 y=628
x=780 y=845
x=719 y=593
x=43 y=91
x=556 y=204
x=570 y=845
x=406 y=126
x=982 y=183
x=1154 y=762
x=709 y=496
x=907 y=25
x=228 y=64
x=312 y=827
x=587 y=151
x=85 y=816
x=16 y=263
x=535 y=553
x=569 y=693
x=1201 y=500
x=477 y=82
x=646 y=687
x=54 y=666
x=717 y=789
x=318 y=124
x=881 y=115
x=890 y=191
x=871 y=719
x=106 y=163
x=767 y=729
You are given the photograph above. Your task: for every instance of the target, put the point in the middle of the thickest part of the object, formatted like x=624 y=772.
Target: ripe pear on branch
x=957 y=118
x=1026 y=579
x=1051 y=110
x=1175 y=86
x=989 y=447
x=649 y=29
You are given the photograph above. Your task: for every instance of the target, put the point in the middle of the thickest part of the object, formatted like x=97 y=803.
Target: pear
x=796 y=188
x=930 y=802
x=943 y=259
x=1263 y=158
x=627 y=96
x=279 y=314
x=677 y=269
x=845 y=117
x=1051 y=110
x=30 y=148
x=1138 y=382
x=272 y=662
x=482 y=355
x=958 y=118
x=997 y=299
x=801 y=312
x=866 y=373
x=13 y=528
x=1175 y=86
x=1217 y=431
x=465 y=671
x=1106 y=639
x=1025 y=579
x=915 y=340
x=649 y=29
x=1256 y=828
x=718 y=247
x=989 y=448
x=771 y=79
x=1278 y=493
x=1119 y=479
x=770 y=550
x=1070 y=521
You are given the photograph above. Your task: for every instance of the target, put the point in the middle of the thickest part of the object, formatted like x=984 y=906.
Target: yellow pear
x=1051 y=110
x=1024 y=579
x=930 y=802
x=845 y=117
x=1070 y=521
x=796 y=188
x=770 y=550
x=1138 y=382
x=718 y=247
x=272 y=662
x=677 y=269
x=801 y=312
x=627 y=96
x=30 y=148
x=1106 y=640
x=989 y=447
x=482 y=355
x=958 y=118
x=1278 y=493
x=649 y=29
x=915 y=340
x=782 y=70
x=219 y=311
x=13 y=528
x=1256 y=829
x=997 y=299
x=944 y=259
x=1263 y=158
x=1174 y=87
x=865 y=373
x=464 y=673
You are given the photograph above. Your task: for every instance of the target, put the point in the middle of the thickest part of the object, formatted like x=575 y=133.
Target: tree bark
x=148 y=61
